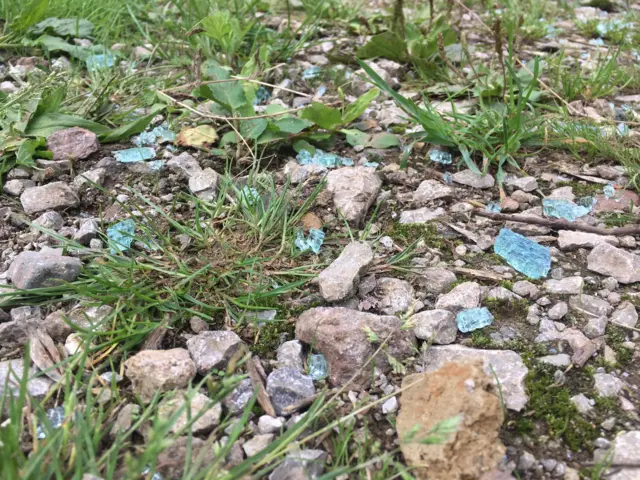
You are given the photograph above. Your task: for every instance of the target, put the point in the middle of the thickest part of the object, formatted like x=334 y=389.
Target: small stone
x=464 y=296
x=125 y=419
x=582 y=404
x=430 y=190
x=11 y=374
x=526 y=184
x=394 y=295
x=52 y=196
x=56 y=327
x=238 y=399
x=527 y=462
x=549 y=464
x=339 y=280
x=198 y=325
x=268 y=424
x=590 y=306
x=390 y=406
x=607 y=385
x=558 y=311
x=354 y=190
x=566 y=286
x=558 y=360
x=15 y=188
x=436 y=326
x=190 y=406
x=141 y=53
x=608 y=424
x=184 y=454
x=625 y=314
x=524 y=288
x=474 y=180
x=72 y=143
x=301 y=465
x=8 y=87
x=436 y=280
x=185 y=163
x=213 y=349
x=288 y=386
x=97 y=176
x=257 y=444
x=596 y=327
x=570 y=240
x=204 y=184
x=152 y=371
x=289 y=355
x=626 y=405
x=88 y=230
x=421 y=215
x=50 y=221
x=615 y=262
x=36 y=269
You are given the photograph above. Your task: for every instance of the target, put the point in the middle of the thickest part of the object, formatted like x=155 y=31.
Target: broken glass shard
x=494 y=207
x=524 y=255
x=447 y=178
x=473 y=319
x=564 y=209
x=318 y=368
x=133 y=155
x=311 y=72
x=312 y=242
x=121 y=236
x=100 y=61
x=249 y=196
x=55 y=416
x=609 y=191
x=323 y=159
x=159 y=134
x=440 y=156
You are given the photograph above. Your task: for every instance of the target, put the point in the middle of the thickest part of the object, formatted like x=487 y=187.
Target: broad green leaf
x=323 y=116
x=51 y=103
x=132 y=128
x=357 y=108
x=218 y=25
x=272 y=136
x=386 y=45
x=274 y=108
x=228 y=94
x=31 y=14
x=355 y=137
x=44 y=125
x=252 y=129
x=378 y=140
x=24 y=155
x=300 y=145
x=57 y=44
x=228 y=138
x=64 y=27
x=292 y=124
x=212 y=69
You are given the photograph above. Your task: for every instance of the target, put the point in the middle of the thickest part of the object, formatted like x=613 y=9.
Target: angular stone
x=340 y=279
x=611 y=261
x=213 y=349
x=625 y=314
x=421 y=215
x=558 y=311
x=618 y=203
x=570 y=240
x=354 y=190
x=436 y=280
x=183 y=454
x=88 y=178
x=430 y=190
x=11 y=373
x=15 y=334
x=15 y=188
x=50 y=220
x=526 y=184
x=607 y=385
x=460 y=390
x=37 y=269
x=596 y=327
x=91 y=318
x=503 y=294
x=152 y=371
x=289 y=355
x=48 y=197
x=558 y=360
x=582 y=403
x=394 y=295
x=437 y=326
x=626 y=452
x=72 y=143
x=204 y=184
x=257 y=444
x=288 y=386
x=508 y=367
x=339 y=334
x=56 y=327
x=590 y=306
x=583 y=348
x=525 y=288
x=464 y=296
x=185 y=163
x=301 y=465
x=471 y=179
x=566 y=286
x=267 y=424
x=190 y=406
x=89 y=229
x=238 y=399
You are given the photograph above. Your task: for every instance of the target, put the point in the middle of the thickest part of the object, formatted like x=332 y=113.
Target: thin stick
x=558 y=224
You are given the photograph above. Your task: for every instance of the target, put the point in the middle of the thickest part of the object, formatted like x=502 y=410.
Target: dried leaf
x=200 y=136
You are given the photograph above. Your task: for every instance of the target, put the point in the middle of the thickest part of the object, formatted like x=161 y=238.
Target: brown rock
x=72 y=143
x=339 y=334
x=620 y=202
x=172 y=462
x=461 y=390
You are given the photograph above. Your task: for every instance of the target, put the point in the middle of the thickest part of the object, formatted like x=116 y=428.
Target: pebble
x=55 y=195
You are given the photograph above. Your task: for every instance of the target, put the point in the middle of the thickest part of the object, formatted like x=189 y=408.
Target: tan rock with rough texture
x=456 y=389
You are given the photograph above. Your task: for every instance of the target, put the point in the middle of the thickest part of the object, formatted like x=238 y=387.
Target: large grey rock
x=437 y=326
x=204 y=184
x=213 y=349
x=190 y=406
x=571 y=240
x=339 y=280
x=590 y=306
x=72 y=143
x=394 y=295
x=339 y=334
x=421 y=215
x=507 y=365
x=607 y=385
x=436 y=280
x=11 y=374
x=625 y=314
x=471 y=179
x=152 y=371
x=611 y=261
x=466 y=295
x=566 y=286
x=430 y=190
x=55 y=195
x=288 y=386
x=289 y=354
x=354 y=190
x=37 y=269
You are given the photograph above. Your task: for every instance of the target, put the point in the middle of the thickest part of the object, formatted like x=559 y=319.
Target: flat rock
x=558 y=311
x=183 y=454
x=607 y=385
x=558 y=360
x=89 y=229
x=50 y=220
x=626 y=451
x=569 y=240
x=590 y=306
x=430 y=190
x=436 y=326
x=97 y=176
x=508 y=367
x=14 y=188
x=340 y=279
x=288 y=386
x=55 y=195
x=72 y=144
x=566 y=286
x=213 y=349
x=525 y=288
x=301 y=465
x=582 y=347
x=461 y=390
x=471 y=179
x=421 y=215
x=464 y=296
x=526 y=184
x=152 y=371
x=11 y=374
x=436 y=280
x=190 y=406
x=393 y=295
x=625 y=314
x=289 y=354
x=618 y=203
x=611 y=261
x=42 y=269
x=204 y=184
x=257 y=444
x=339 y=334
x=239 y=397
x=354 y=190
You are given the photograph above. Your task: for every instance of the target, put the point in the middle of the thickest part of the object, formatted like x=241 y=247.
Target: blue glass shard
x=564 y=209
x=100 y=61
x=609 y=191
x=371 y=164
x=133 y=155
x=313 y=242
x=622 y=129
x=524 y=255
x=318 y=368
x=249 y=196
x=447 y=178
x=473 y=319
x=440 y=156
x=311 y=72
x=493 y=207
x=596 y=42
x=159 y=134
x=121 y=236
x=323 y=159
x=55 y=417
x=262 y=96
x=322 y=89
x=156 y=165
